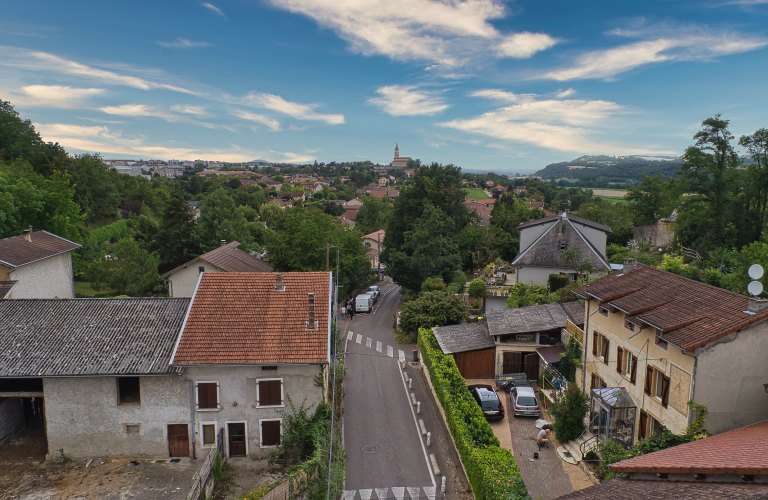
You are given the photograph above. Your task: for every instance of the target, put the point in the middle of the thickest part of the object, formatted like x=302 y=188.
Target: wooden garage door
x=476 y=364
x=178 y=440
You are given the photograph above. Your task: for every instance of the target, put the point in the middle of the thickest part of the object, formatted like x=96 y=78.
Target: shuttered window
x=642 y=431
x=619 y=360
x=270 y=392
x=664 y=389
x=633 y=372
x=270 y=432
x=595 y=340
x=606 y=346
x=207 y=395
x=648 y=379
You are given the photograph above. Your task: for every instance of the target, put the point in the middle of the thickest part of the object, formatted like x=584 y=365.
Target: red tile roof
x=689 y=314
x=229 y=259
x=736 y=452
x=632 y=489
x=17 y=251
x=239 y=318
x=375 y=235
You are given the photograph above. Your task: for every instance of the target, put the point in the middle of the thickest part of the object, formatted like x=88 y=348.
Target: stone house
x=40 y=263
x=667 y=340
x=251 y=344
x=92 y=376
x=228 y=258
x=544 y=241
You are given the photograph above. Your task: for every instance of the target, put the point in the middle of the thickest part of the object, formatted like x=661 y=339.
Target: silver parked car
x=375 y=291
x=524 y=402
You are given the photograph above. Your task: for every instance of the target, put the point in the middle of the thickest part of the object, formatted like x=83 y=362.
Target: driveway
x=387 y=457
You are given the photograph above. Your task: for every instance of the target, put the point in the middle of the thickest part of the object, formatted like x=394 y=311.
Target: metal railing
x=203 y=474
x=588 y=445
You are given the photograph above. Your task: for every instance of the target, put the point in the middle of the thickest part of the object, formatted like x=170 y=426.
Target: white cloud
x=183 y=43
x=501 y=95
x=406 y=100
x=294 y=109
x=147 y=111
x=189 y=109
x=213 y=8
x=448 y=33
x=666 y=43
x=54 y=96
x=561 y=94
x=268 y=122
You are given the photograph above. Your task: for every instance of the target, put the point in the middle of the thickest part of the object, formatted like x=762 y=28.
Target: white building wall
x=530 y=234
x=595 y=236
x=83 y=417
x=46 y=279
x=184 y=281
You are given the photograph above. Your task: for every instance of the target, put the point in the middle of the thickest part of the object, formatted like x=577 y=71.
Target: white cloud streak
x=183 y=43
x=407 y=100
x=294 y=109
x=446 y=33
x=268 y=122
x=189 y=109
x=213 y=8
x=54 y=96
x=148 y=111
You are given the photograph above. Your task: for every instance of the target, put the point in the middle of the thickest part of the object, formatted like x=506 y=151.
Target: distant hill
x=611 y=168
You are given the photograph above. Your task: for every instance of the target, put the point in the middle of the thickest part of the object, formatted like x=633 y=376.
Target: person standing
x=351 y=312
x=344 y=312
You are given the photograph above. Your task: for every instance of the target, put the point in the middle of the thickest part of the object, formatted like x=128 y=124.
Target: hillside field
x=476 y=194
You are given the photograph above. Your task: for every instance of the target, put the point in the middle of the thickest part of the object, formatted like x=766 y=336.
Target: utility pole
x=327 y=256
x=378 y=254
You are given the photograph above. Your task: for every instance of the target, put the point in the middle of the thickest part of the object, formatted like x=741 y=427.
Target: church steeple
x=397 y=151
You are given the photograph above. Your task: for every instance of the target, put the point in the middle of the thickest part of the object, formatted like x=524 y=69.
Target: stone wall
x=659 y=234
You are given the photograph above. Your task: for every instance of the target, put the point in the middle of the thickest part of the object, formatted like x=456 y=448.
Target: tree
x=522 y=295
x=570 y=360
x=174 y=242
x=271 y=214
x=757 y=173
x=125 y=269
x=478 y=288
x=220 y=220
x=373 y=214
x=649 y=201
x=508 y=213
x=432 y=309
x=19 y=139
x=569 y=409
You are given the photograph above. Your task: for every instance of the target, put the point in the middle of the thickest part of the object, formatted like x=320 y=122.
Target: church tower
x=397 y=151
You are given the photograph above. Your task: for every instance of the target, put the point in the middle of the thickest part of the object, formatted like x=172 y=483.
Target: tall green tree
x=19 y=139
x=174 y=242
x=757 y=176
x=125 y=269
x=508 y=213
x=650 y=200
x=220 y=220
x=373 y=214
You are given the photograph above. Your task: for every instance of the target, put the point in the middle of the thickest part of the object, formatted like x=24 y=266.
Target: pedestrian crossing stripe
x=359 y=338
x=401 y=354
x=349 y=335
x=390 y=351
x=368 y=342
x=378 y=346
x=430 y=491
x=381 y=493
x=366 y=494
x=414 y=492
x=399 y=492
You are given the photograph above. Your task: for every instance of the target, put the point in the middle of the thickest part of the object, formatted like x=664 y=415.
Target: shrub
x=557 y=281
x=569 y=409
x=570 y=360
x=522 y=294
x=491 y=470
x=432 y=309
x=478 y=288
x=432 y=284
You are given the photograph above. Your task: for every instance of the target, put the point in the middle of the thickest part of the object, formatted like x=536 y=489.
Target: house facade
x=40 y=263
x=252 y=343
x=375 y=244
x=668 y=340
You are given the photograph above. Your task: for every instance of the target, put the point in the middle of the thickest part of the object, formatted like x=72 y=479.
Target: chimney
x=756 y=305
x=223 y=242
x=28 y=234
x=311 y=321
x=279 y=286
x=629 y=265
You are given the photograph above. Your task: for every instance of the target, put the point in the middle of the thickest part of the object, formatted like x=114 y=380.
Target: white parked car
x=363 y=303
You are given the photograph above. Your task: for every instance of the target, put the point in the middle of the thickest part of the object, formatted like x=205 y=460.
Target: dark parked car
x=489 y=401
x=524 y=402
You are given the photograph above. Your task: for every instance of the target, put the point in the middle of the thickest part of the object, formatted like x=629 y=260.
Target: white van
x=363 y=303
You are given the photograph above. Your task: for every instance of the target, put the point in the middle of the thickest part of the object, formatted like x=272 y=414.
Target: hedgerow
x=491 y=470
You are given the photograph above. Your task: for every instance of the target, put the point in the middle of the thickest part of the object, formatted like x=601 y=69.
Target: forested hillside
x=619 y=169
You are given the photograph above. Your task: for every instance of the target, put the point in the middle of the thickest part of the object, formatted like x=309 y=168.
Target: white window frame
x=627 y=360
x=226 y=434
x=261 y=445
x=658 y=378
x=215 y=424
x=258 y=395
x=197 y=395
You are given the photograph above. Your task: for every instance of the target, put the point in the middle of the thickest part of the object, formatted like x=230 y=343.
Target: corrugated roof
x=632 y=489
x=463 y=338
x=740 y=451
x=66 y=337
x=230 y=259
x=526 y=319
x=17 y=251
x=5 y=288
x=239 y=318
x=689 y=314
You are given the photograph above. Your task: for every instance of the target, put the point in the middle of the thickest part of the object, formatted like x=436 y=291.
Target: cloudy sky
x=484 y=84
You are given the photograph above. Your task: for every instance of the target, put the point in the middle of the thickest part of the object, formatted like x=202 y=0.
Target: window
x=655 y=427
x=269 y=392
x=642 y=428
x=270 y=432
x=563 y=245
x=630 y=366
x=209 y=434
x=132 y=429
x=600 y=346
x=268 y=368
x=603 y=311
x=657 y=385
x=207 y=395
x=367 y=243
x=200 y=269
x=597 y=382
x=128 y=390
x=661 y=343
x=629 y=326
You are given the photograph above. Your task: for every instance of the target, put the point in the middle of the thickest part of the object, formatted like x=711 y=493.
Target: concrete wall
x=184 y=281
x=11 y=416
x=46 y=279
x=676 y=365
x=84 y=419
x=539 y=275
x=729 y=379
x=530 y=234
x=238 y=399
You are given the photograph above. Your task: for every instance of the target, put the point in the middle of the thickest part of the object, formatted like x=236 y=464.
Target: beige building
x=399 y=161
x=375 y=243
x=41 y=265
x=228 y=258
x=667 y=340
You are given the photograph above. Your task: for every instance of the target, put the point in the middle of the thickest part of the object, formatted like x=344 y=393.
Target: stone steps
x=571 y=452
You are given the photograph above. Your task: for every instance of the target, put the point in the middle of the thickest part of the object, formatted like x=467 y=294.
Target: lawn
x=476 y=194
x=84 y=289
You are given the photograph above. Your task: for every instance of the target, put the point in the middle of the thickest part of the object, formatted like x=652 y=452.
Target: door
x=532 y=366
x=236 y=439
x=511 y=362
x=178 y=440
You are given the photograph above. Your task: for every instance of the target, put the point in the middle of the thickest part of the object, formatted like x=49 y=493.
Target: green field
x=476 y=194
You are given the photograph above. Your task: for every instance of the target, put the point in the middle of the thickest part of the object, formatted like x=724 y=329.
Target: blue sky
x=483 y=84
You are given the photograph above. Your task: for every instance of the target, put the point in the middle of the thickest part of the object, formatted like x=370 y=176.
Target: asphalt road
x=387 y=456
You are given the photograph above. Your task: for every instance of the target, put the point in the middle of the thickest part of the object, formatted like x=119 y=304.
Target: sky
x=509 y=86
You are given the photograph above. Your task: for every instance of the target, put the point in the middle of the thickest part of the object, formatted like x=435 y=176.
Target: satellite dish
x=755 y=288
x=755 y=272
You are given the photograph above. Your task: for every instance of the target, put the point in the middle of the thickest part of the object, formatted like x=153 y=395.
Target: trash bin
x=415 y=355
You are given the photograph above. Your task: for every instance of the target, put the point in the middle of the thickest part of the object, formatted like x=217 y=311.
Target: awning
x=550 y=355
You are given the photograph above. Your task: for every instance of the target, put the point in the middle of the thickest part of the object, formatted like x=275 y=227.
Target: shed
x=472 y=347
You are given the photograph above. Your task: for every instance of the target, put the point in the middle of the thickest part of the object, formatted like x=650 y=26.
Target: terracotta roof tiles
x=632 y=489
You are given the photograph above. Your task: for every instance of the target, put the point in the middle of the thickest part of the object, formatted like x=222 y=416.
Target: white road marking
x=368 y=342
x=414 y=491
x=378 y=346
x=430 y=491
x=418 y=433
x=382 y=493
x=349 y=335
x=382 y=297
x=398 y=491
x=365 y=494
x=390 y=351
x=349 y=494
x=401 y=354
x=359 y=338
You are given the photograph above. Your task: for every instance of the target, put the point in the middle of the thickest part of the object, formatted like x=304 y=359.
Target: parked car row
x=365 y=301
x=524 y=401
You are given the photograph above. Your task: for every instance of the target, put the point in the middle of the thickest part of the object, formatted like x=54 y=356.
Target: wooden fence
x=283 y=490
x=201 y=477
x=575 y=331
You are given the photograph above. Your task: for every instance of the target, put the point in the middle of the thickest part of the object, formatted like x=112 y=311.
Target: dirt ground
x=241 y=475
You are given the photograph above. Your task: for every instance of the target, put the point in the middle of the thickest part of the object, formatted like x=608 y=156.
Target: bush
x=557 y=281
x=432 y=284
x=570 y=360
x=522 y=294
x=569 y=409
x=478 y=288
x=432 y=309
x=491 y=470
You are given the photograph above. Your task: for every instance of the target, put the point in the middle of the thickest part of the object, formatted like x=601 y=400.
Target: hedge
x=491 y=470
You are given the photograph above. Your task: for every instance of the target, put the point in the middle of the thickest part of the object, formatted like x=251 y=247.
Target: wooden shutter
x=270 y=393
x=619 y=359
x=633 y=375
x=270 y=433
x=648 y=379
x=595 y=338
x=207 y=395
x=605 y=350
x=642 y=431
x=664 y=391
x=209 y=434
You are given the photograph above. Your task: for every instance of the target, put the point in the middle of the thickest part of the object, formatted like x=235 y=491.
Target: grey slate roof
x=68 y=337
x=463 y=338
x=545 y=251
x=5 y=288
x=578 y=220
x=230 y=259
x=526 y=319
x=16 y=251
